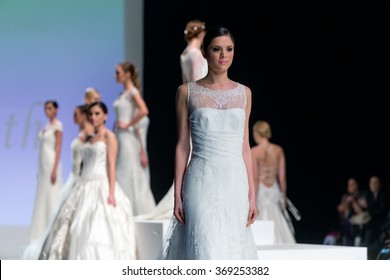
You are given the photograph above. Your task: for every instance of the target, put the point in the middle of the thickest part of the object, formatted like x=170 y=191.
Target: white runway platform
x=151 y=234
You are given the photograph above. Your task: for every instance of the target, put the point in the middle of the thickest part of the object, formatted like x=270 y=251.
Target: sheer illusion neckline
x=218 y=90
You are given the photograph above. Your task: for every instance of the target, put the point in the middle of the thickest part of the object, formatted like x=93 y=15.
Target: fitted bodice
x=125 y=106
x=213 y=114
x=94 y=158
x=47 y=137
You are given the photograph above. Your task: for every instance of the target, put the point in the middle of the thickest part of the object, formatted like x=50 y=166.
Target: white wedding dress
x=48 y=194
x=86 y=226
x=215 y=186
x=130 y=174
x=268 y=203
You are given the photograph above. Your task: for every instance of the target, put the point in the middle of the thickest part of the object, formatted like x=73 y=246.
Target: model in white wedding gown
x=129 y=172
x=48 y=194
x=269 y=166
x=87 y=226
x=215 y=186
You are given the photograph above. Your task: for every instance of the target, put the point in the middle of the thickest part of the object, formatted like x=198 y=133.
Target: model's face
x=78 y=117
x=220 y=53
x=50 y=110
x=96 y=116
x=120 y=75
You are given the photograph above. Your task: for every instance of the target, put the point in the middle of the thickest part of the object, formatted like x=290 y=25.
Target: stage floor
x=14 y=238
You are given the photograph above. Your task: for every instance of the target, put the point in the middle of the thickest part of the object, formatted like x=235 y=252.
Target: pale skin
x=92 y=98
x=97 y=118
x=219 y=55
x=51 y=113
x=277 y=166
x=142 y=110
x=81 y=119
x=88 y=128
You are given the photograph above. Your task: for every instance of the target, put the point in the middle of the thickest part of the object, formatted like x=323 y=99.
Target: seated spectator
x=349 y=206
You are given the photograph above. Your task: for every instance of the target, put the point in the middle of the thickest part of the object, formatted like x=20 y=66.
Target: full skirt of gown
x=86 y=226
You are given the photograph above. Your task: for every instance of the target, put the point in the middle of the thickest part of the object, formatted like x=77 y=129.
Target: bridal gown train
x=86 y=226
x=215 y=186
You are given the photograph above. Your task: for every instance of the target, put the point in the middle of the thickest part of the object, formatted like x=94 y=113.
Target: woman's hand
x=179 y=212
x=144 y=159
x=111 y=200
x=252 y=213
x=122 y=125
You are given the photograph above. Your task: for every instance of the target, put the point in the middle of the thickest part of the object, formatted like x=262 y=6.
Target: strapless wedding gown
x=86 y=226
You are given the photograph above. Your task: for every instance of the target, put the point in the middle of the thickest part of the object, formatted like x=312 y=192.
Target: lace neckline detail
x=218 y=90
x=203 y=97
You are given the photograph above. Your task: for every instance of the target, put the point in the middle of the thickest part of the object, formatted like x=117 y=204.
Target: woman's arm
x=142 y=110
x=247 y=155
x=144 y=160
x=58 y=143
x=112 y=150
x=182 y=149
x=282 y=177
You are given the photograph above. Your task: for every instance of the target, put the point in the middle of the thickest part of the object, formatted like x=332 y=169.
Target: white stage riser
x=150 y=235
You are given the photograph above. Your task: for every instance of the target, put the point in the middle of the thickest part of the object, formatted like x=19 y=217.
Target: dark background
x=319 y=75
